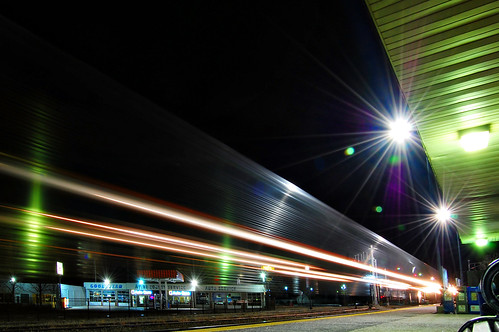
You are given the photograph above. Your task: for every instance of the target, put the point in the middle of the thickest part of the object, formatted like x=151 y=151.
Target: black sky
x=288 y=84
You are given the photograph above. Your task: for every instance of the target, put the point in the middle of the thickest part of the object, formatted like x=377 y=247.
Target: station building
x=162 y=295
x=162 y=289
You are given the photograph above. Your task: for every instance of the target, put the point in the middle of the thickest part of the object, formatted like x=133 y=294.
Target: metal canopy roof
x=446 y=58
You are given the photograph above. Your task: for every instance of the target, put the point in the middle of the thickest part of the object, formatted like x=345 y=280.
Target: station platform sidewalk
x=179 y=319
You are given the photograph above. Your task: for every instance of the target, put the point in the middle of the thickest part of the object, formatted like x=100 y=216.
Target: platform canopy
x=445 y=55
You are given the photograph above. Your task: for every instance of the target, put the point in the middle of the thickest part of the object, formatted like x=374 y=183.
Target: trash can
x=473 y=300
x=462 y=301
x=448 y=303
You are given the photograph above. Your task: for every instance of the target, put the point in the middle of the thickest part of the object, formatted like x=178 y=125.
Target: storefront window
x=219 y=298
x=123 y=297
x=94 y=296
x=202 y=298
x=109 y=296
x=254 y=299
x=232 y=298
x=180 y=297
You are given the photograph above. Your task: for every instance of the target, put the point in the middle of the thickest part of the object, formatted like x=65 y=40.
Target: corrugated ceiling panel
x=446 y=57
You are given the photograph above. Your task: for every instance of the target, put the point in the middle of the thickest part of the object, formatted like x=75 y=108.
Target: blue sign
x=106 y=286
x=179 y=293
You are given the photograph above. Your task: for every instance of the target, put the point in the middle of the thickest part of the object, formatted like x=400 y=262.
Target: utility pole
x=375 y=277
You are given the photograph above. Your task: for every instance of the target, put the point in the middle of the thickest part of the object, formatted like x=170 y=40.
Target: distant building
x=41 y=293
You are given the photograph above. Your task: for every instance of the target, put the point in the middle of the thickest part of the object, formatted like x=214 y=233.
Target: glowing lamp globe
x=475 y=141
x=481 y=242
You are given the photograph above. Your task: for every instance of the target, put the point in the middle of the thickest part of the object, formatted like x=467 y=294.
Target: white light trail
x=174 y=240
x=195 y=220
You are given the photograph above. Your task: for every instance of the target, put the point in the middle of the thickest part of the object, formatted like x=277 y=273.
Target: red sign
x=160 y=274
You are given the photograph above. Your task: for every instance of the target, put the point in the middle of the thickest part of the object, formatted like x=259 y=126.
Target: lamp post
x=107 y=285
x=344 y=292
x=13 y=282
x=60 y=272
x=443 y=215
x=194 y=284
x=310 y=299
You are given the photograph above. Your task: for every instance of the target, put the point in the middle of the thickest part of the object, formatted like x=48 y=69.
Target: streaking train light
x=191 y=219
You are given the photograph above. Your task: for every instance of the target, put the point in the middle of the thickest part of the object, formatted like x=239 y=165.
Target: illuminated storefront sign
x=172 y=275
x=104 y=286
x=179 y=293
x=141 y=292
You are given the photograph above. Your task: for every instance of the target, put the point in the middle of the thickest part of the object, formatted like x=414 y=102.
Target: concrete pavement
x=412 y=319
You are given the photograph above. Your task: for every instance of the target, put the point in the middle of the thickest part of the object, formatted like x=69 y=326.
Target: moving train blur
x=107 y=207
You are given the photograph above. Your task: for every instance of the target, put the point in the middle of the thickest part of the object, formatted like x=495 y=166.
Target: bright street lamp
x=13 y=282
x=400 y=130
x=443 y=215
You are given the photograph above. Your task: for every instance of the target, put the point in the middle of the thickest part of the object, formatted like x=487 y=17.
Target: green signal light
x=349 y=151
x=378 y=209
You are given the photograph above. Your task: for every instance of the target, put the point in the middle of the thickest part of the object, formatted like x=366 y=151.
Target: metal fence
x=81 y=308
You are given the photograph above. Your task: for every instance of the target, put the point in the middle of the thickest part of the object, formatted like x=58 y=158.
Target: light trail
x=304 y=271
x=256 y=264
x=198 y=221
x=201 y=253
x=291 y=268
x=243 y=234
x=173 y=240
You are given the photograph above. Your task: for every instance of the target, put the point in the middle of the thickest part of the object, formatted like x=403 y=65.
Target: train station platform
x=173 y=320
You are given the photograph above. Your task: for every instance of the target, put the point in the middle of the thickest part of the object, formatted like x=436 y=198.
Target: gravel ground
x=172 y=320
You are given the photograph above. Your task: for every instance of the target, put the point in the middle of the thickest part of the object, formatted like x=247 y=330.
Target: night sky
x=290 y=85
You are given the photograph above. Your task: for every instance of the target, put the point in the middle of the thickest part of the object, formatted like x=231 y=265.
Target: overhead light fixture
x=474 y=139
x=481 y=242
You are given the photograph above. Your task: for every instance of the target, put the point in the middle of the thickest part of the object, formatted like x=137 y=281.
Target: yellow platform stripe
x=249 y=326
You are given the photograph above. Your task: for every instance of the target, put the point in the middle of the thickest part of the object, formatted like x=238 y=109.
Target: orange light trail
x=304 y=271
x=243 y=234
x=265 y=260
x=174 y=248
x=198 y=221
x=280 y=269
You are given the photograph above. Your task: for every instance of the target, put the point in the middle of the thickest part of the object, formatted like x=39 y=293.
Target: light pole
x=107 y=285
x=13 y=282
x=443 y=215
x=374 y=265
x=194 y=284
x=60 y=272
x=344 y=291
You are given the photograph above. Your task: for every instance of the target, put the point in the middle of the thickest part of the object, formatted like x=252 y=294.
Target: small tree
x=40 y=289
x=11 y=287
